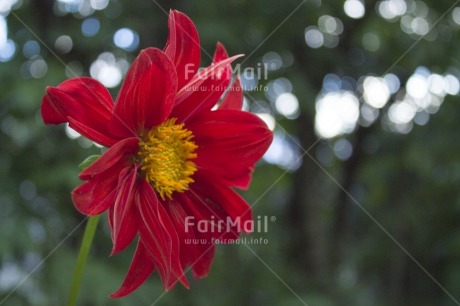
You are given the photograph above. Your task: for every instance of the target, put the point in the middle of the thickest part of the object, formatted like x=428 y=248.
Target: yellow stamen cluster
x=165 y=157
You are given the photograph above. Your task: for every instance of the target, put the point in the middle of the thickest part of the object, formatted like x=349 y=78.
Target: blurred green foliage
x=391 y=239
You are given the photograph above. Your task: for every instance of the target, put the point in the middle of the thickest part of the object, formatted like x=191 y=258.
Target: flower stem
x=90 y=229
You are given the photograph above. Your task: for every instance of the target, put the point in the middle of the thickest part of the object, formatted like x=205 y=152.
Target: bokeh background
x=362 y=177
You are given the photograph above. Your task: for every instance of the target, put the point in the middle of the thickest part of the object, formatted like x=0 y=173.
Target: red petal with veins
x=123 y=214
x=204 y=250
x=234 y=96
x=203 y=91
x=198 y=204
x=98 y=194
x=160 y=237
x=220 y=53
x=86 y=102
x=147 y=94
x=233 y=99
x=229 y=143
x=118 y=153
x=183 y=47
x=188 y=252
x=140 y=269
x=213 y=190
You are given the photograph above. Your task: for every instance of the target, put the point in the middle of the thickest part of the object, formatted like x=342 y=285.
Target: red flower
x=171 y=158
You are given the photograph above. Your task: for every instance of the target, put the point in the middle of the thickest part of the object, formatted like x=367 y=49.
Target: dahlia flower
x=171 y=154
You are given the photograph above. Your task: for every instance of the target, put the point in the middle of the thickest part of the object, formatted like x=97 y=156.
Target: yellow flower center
x=165 y=157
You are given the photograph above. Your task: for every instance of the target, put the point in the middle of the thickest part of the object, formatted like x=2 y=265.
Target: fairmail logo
x=259 y=72
x=260 y=224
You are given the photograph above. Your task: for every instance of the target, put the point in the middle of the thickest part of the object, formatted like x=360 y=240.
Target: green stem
x=90 y=229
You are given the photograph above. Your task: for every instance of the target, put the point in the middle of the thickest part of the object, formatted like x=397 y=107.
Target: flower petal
x=188 y=254
x=159 y=236
x=204 y=249
x=99 y=193
x=140 y=269
x=211 y=190
x=220 y=53
x=203 y=91
x=211 y=214
x=96 y=195
x=123 y=218
x=234 y=97
x=183 y=46
x=94 y=135
x=85 y=104
x=229 y=143
x=117 y=154
x=147 y=94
